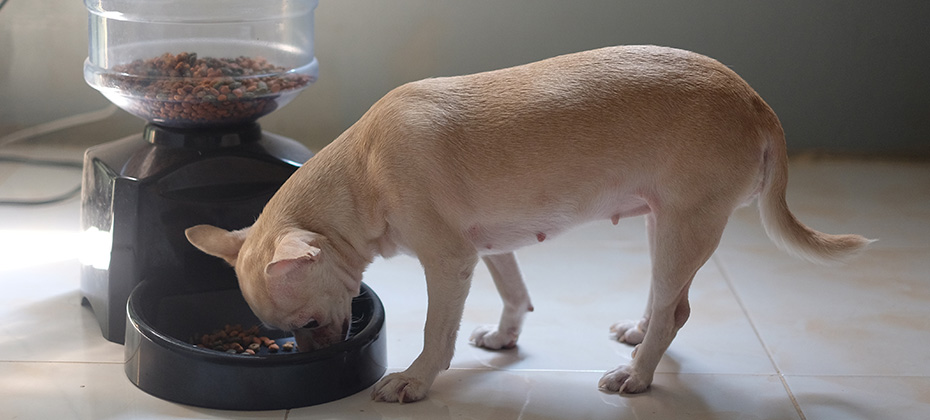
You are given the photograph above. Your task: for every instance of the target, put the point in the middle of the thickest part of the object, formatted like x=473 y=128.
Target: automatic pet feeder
x=201 y=72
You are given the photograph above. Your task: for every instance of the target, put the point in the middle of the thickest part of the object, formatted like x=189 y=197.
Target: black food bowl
x=161 y=359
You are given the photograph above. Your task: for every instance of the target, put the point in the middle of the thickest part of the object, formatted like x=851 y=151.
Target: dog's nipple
x=615 y=219
x=540 y=236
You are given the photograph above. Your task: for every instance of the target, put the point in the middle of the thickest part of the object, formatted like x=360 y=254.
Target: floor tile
x=91 y=391
x=842 y=319
x=481 y=394
x=862 y=397
x=862 y=318
x=43 y=319
x=35 y=235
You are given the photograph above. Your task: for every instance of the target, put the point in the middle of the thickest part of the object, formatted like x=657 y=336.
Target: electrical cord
x=59 y=124
x=42 y=162
x=41 y=129
x=46 y=128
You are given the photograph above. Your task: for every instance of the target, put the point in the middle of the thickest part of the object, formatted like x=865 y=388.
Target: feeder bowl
x=161 y=325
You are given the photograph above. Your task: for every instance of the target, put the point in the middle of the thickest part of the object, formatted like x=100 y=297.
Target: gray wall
x=844 y=76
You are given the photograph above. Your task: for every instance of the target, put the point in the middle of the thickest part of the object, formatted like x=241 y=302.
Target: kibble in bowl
x=234 y=339
x=187 y=91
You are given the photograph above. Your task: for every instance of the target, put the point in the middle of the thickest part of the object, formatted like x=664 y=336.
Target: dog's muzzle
x=312 y=337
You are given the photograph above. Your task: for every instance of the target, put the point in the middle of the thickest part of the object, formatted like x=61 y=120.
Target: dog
x=454 y=169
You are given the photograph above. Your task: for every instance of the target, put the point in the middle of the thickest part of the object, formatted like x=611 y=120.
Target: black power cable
x=42 y=162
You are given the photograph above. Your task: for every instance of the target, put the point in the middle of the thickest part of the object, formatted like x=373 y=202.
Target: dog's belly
x=495 y=236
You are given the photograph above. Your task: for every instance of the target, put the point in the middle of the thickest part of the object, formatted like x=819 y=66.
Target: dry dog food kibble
x=184 y=90
x=234 y=339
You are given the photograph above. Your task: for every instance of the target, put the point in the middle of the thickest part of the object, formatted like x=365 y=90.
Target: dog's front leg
x=448 y=277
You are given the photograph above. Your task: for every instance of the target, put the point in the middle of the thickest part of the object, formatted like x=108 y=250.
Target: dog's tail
x=782 y=227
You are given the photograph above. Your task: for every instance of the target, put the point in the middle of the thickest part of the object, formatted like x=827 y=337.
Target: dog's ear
x=292 y=251
x=217 y=242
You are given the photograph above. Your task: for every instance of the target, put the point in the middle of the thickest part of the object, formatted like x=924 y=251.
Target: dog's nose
x=311 y=324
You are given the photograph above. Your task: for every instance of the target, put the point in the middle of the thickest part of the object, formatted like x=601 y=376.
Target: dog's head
x=290 y=279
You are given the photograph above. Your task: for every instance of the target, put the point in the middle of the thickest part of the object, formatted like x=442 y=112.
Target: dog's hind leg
x=516 y=299
x=681 y=243
x=633 y=332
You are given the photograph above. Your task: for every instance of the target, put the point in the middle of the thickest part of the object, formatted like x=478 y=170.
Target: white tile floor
x=770 y=337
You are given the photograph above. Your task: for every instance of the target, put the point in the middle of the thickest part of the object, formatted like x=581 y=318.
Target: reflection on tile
x=43 y=319
x=862 y=318
x=480 y=394
x=91 y=391
x=862 y=397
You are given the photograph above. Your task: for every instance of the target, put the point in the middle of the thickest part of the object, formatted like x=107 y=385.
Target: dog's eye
x=311 y=324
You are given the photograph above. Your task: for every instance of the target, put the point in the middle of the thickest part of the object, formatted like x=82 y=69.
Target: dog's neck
x=328 y=197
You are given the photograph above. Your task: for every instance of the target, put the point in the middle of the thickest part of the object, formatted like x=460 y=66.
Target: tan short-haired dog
x=456 y=168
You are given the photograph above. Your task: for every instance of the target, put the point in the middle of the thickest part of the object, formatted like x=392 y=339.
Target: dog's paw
x=630 y=332
x=623 y=380
x=399 y=387
x=489 y=337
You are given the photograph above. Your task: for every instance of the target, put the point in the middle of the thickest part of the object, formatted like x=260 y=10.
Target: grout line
x=755 y=330
x=528 y=370
x=791 y=396
x=601 y=371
